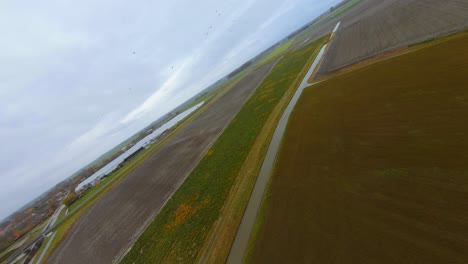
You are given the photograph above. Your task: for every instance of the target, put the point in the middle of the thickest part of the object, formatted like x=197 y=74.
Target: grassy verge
x=179 y=231
x=218 y=244
x=39 y=252
x=7 y=253
x=259 y=221
x=373 y=166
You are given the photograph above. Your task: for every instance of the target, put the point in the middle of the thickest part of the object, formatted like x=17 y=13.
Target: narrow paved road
x=46 y=248
x=241 y=240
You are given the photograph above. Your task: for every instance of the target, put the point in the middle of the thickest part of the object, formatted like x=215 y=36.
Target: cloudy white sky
x=79 y=77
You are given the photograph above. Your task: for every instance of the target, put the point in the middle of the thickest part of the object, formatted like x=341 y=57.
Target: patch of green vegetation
x=373 y=166
x=280 y=49
x=48 y=238
x=179 y=230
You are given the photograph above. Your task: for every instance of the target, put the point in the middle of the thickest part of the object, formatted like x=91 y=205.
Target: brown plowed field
x=376 y=26
x=109 y=227
x=373 y=166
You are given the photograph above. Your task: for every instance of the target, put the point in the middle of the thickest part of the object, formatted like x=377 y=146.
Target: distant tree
x=59 y=189
x=30 y=211
x=29 y=226
x=52 y=205
x=16 y=234
x=70 y=198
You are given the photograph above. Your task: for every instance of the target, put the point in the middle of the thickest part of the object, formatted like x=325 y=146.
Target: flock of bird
x=206 y=35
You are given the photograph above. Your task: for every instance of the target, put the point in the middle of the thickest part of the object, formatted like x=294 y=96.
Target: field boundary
x=242 y=189
x=244 y=229
x=390 y=54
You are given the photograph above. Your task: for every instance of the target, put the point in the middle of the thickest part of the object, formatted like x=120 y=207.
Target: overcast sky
x=79 y=77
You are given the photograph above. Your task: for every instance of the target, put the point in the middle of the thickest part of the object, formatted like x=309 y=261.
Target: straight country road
x=241 y=240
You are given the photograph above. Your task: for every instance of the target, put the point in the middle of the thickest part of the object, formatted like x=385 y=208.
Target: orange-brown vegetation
x=210 y=152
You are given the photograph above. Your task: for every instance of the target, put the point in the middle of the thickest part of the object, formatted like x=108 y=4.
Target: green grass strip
x=276 y=52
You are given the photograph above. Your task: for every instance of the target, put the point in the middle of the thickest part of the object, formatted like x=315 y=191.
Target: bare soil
x=376 y=26
x=374 y=166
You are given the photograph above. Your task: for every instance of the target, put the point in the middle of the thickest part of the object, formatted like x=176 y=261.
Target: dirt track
x=110 y=226
x=376 y=26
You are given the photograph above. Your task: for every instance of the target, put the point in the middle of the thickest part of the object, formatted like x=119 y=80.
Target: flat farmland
x=325 y=25
x=374 y=27
x=374 y=166
x=109 y=227
x=181 y=231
